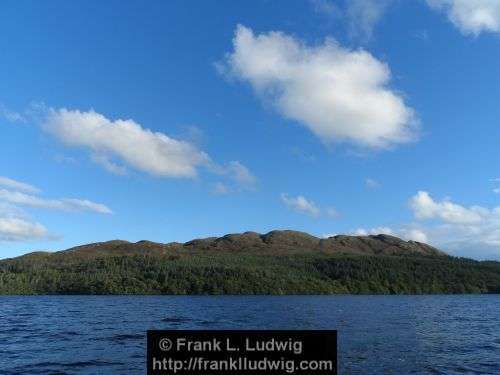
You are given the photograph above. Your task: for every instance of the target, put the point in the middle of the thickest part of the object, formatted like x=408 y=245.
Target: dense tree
x=239 y=273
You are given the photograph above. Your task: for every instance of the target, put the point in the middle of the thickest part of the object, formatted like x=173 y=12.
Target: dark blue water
x=377 y=334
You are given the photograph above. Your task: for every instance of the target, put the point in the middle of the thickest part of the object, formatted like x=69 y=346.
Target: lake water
x=377 y=334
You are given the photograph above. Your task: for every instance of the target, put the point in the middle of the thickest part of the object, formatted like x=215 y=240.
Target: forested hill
x=279 y=262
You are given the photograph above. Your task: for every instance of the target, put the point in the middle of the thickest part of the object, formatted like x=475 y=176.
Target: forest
x=241 y=273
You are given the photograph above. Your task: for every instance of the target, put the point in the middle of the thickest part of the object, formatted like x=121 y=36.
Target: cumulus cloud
x=424 y=207
x=337 y=93
x=373 y=231
x=65 y=204
x=16 y=225
x=117 y=145
x=19 y=229
x=466 y=231
x=414 y=234
x=471 y=17
x=471 y=231
x=301 y=204
x=125 y=141
x=406 y=233
x=16 y=185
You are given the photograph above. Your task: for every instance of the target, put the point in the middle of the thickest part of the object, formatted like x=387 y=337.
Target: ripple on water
x=400 y=335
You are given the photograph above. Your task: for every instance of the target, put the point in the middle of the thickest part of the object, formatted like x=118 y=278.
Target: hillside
x=284 y=242
x=279 y=262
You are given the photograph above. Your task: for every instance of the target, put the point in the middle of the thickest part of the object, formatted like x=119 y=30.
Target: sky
x=169 y=121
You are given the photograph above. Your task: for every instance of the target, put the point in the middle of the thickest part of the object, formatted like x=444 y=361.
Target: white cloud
x=11 y=116
x=301 y=205
x=16 y=185
x=459 y=230
x=406 y=233
x=337 y=93
x=117 y=145
x=19 y=229
x=127 y=141
x=471 y=17
x=107 y=164
x=360 y=16
x=65 y=204
x=241 y=174
x=496 y=190
x=363 y=16
x=424 y=207
x=372 y=184
x=373 y=231
x=414 y=234
x=15 y=225
x=239 y=178
x=466 y=231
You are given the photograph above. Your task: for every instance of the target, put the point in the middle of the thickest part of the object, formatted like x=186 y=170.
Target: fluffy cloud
x=424 y=207
x=16 y=185
x=414 y=234
x=117 y=145
x=301 y=205
x=19 y=229
x=16 y=225
x=472 y=231
x=466 y=231
x=409 y=234
x=126 y=141
x=373 y=231
x=471 y=17
x=337 y=93
x=65 y=204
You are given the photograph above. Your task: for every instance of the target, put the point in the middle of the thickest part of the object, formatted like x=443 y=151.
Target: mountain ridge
x=274 y=242
x=277 y=262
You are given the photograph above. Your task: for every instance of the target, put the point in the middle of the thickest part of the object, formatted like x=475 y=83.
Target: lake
x=377 y=334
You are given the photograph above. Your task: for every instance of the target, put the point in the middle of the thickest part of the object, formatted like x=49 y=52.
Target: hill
x=279 y=262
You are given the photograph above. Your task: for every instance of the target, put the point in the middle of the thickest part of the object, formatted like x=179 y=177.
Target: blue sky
x=173 y=120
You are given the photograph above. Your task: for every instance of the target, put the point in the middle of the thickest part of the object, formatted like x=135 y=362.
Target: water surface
x=377 y=334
